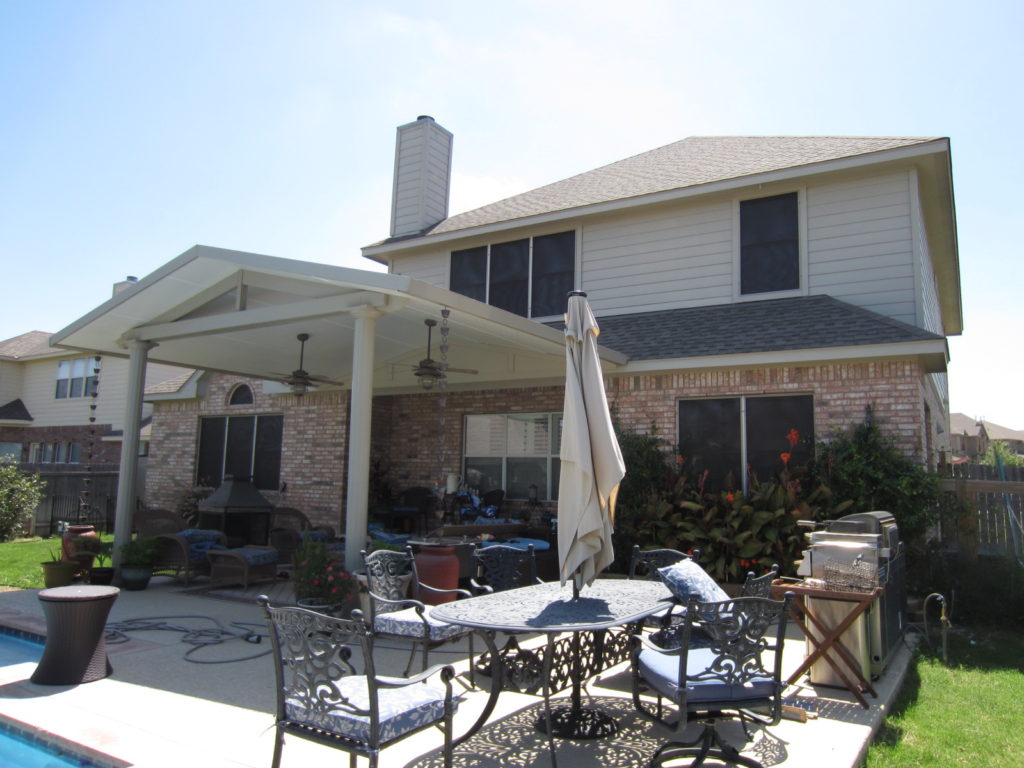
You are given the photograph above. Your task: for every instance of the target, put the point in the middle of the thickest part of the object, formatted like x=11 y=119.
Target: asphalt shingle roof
x=690 y=162
x=15 y=411
x=26 y=345
x=806 y=322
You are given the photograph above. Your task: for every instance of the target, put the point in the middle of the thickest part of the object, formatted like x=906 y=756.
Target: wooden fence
x=65 y=498
x=991 y=531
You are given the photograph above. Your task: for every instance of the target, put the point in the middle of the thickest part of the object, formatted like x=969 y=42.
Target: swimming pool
x=19 y=746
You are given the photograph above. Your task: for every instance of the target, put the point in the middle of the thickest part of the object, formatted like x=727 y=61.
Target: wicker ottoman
x=243 y=565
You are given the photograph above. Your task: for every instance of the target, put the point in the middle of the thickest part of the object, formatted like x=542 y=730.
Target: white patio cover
x=592 y=465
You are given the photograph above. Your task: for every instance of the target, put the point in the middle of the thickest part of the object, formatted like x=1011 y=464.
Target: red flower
x=785 y=457
x=730 y=497
x=793 y=437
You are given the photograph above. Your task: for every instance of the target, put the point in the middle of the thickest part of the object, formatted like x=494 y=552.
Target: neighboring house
x=50 y=420
x=745 y=287
x=970 y=438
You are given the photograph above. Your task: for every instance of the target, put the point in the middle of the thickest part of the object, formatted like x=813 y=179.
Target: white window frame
x=801 y=225
x=554 y=418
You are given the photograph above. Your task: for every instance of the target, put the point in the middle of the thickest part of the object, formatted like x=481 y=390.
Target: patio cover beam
x=257 y=318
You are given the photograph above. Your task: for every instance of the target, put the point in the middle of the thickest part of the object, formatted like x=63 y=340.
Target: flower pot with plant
x=137 y=558
x=58 y=572
x=101 y=573
x=320 y=582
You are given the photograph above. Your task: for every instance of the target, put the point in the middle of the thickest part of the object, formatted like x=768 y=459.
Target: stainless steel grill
x=858 y=553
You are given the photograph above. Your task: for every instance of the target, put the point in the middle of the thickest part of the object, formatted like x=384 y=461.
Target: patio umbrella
x=592 y=465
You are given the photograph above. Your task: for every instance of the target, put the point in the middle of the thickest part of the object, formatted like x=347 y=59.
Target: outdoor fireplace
x=239 y=510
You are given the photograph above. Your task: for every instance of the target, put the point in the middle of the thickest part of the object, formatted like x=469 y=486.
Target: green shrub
x=20 y=494
x=866 y=466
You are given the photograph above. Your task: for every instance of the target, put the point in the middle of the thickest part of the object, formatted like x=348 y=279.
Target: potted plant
x=320 y=582
x=101 y=573
x=58 y=572
x=137 y=558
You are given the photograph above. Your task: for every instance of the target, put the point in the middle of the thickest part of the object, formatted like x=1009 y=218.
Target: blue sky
x=130 y=131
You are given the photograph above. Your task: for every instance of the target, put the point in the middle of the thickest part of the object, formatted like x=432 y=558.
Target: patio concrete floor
x=159 y=708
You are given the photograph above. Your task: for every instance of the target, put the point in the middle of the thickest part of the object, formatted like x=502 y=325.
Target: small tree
x=20 y=494
x=866 y=466
x=997 y=452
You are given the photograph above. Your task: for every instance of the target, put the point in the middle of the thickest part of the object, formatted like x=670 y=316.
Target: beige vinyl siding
x=39 y=384
x=860 y=245
x=659 y=260
x=930 y=315
x=431 y=268
x=10 y=381
x=421 y=177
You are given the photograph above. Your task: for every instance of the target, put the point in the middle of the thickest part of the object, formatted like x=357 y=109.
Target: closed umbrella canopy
x=592 y=465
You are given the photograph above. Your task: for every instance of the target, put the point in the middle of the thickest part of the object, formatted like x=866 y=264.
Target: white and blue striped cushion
x=407 y=623
x=401 y=710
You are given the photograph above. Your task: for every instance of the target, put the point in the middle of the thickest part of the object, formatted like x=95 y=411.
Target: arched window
x=241 y=395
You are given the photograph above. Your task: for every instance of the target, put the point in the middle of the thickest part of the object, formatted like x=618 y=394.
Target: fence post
x=966 y=523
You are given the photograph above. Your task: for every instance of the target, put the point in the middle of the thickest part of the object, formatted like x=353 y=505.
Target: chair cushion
x=539 y=545
x=686 y=578
x=256 y=556
x=661 y=670
x=200 y=541
x=407 y=623
x=401 y=710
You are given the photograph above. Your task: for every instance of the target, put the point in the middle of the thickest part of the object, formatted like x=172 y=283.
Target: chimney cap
x=425 y=117
x=132 y=279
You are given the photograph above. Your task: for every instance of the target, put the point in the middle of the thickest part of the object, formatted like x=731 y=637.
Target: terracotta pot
x=438 y=567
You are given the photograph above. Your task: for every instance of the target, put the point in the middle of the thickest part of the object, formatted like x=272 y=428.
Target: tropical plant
x=139 y=553
x=20 y=494
x=318 y=576
x=866 y=466
x=999 y=452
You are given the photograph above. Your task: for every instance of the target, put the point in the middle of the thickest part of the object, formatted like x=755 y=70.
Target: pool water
x=18 y=750
x=15 y=650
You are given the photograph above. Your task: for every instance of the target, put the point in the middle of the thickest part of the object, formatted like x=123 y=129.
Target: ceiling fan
x=299 y=380
x=429 y=371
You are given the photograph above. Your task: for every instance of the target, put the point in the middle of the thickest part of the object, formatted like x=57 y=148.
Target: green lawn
x=966 y=712
x=19 y=561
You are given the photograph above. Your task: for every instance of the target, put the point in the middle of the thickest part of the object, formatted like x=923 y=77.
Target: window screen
x=769 y=244
x=510 y=265
x=554 y=262
x=469 y=273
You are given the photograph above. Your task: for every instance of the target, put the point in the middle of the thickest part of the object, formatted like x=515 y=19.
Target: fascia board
x=935 y=146
x=932 y=351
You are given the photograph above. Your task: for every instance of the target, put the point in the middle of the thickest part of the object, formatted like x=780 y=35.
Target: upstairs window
x=769 y=245
x=530 y=277
x=76 y=378
x=241 y=395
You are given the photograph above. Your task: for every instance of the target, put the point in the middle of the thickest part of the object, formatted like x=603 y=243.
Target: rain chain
x=85 y=502
x=442 y=397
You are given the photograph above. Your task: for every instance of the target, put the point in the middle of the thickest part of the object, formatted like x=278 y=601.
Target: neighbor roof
x=687 y=163
x=28 y=344
x=15 y=411
x=806 y=322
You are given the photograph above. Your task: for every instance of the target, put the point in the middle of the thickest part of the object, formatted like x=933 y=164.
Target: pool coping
x=54 y=743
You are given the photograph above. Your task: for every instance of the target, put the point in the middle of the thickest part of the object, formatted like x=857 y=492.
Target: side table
x=76 y=621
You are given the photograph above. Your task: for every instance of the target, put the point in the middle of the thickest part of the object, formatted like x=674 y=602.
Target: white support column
x=127 y=480
x=360 y=408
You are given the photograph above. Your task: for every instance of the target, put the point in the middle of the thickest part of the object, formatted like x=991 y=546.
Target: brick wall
x=313 y=446
x=108 y=452
x=418 y=437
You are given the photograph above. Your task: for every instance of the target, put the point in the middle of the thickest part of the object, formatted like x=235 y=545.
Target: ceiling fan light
x=427 y=382
x=298 y=389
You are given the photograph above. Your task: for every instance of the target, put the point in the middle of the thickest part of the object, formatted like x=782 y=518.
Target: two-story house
x=745 y=287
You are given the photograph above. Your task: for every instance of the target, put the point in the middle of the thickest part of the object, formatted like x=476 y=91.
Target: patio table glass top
x=550 y=607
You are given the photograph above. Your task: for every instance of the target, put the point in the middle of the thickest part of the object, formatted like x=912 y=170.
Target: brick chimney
x=423 y=170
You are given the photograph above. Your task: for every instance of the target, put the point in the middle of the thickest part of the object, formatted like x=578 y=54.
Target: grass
x=20 y=559
x=965 y=712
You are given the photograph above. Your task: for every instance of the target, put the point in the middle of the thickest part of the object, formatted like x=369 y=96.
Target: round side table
x=76 y=620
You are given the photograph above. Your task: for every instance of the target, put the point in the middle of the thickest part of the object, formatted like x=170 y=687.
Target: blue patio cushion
x=257 y=556
x=200 y=541
x=314 y=535
x=390 y=538
x=401 y=709
x=661 y=670
x=539 y=545
x=686 y=578
x=407 y=623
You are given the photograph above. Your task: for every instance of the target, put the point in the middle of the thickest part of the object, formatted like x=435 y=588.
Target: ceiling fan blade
x=325 y=380
x=450 y=369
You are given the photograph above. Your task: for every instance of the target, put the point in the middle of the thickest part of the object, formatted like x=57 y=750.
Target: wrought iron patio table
x=581 y=638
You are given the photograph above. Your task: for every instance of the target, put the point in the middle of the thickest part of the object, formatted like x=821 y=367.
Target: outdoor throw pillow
x=686 y=578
